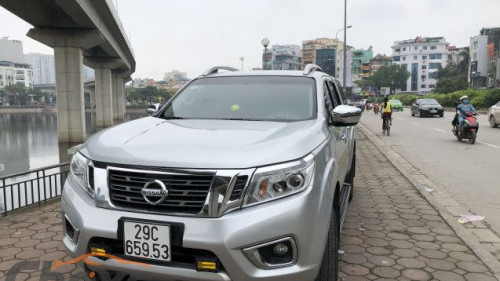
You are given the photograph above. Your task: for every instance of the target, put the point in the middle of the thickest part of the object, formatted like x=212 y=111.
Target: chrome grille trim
x=200 y=193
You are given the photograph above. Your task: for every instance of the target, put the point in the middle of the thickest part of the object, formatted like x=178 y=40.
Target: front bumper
x=301 y=216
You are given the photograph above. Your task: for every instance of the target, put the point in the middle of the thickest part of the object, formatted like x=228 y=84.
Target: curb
x=443 y=202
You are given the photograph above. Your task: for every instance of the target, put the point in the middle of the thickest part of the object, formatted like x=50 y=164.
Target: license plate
x=147 y=240
x=433 y=111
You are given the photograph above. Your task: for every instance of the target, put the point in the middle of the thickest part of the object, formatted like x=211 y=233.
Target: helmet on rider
x=465 y=99
x=386 y=99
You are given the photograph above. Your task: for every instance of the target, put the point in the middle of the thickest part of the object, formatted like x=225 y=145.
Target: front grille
x=240 y=184
x=186 y=192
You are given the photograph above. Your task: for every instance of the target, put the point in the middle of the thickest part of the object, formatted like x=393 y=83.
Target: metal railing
x=36 y=186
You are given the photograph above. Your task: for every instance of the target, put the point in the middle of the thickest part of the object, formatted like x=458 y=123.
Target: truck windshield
x=253 y=98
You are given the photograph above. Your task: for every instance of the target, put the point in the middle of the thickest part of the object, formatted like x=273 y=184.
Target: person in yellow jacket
x=386 y=112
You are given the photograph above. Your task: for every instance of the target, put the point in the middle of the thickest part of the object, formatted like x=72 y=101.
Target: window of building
x=435 y=56
x=423 y=86
x=424 y=47
x=433 y=47
x=396 y=58
x=422 y=77
x=424 y=57
x=415 y=48
x=397 y=50
x=404 y=58
x=404 y=49
x=424 y=66
x=434 y=65
x=433 y=75
x=415 y=57
x=432 y=86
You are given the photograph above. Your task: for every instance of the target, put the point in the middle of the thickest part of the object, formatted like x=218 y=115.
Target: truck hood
x=210 y=144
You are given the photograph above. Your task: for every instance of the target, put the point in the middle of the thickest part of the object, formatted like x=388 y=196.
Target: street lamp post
x=337 y=42
x=345 y=44
x=265 y=43
x=241 y=59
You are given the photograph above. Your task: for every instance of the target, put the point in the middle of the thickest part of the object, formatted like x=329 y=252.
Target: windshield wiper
x=241 y=119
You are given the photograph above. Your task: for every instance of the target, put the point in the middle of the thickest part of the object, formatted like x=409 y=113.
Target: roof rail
x=216 y=69
x=310 y=68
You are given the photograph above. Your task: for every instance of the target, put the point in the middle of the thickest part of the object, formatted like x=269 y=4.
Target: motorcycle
x=469 y=128
x=376 y=108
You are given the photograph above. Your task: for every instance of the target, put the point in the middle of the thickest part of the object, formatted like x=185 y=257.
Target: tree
x=393 y=76
x=454 y=76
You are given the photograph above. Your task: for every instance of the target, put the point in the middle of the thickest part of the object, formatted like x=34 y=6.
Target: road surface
x=470 y=173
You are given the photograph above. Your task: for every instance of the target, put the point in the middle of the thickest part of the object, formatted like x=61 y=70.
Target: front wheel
x=472 y=138
x=330 y=262
x=493 y=124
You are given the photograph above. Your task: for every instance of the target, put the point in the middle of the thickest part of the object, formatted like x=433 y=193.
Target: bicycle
x=387 y=125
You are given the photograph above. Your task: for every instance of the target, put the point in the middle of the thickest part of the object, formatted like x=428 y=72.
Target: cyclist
x=386 y=113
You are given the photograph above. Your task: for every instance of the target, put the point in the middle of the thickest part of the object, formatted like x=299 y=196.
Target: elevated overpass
x=81 y=32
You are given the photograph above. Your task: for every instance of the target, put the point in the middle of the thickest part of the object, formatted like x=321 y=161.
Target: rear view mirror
x=346 y=115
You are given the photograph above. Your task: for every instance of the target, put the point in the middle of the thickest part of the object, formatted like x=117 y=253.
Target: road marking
x=489 y=144
x=416 y=124
x=440 y=130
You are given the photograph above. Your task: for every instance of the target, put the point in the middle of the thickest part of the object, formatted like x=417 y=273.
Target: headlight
x=273 y=182
x=80 y=170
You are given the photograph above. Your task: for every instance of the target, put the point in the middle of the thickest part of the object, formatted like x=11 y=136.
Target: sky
x=193 y=35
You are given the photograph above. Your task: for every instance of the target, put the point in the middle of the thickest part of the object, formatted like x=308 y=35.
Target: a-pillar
x=69 y=94
x=104 y=97
x=118 y=97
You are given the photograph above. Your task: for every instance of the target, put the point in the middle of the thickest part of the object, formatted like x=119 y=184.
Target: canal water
x=29 y=140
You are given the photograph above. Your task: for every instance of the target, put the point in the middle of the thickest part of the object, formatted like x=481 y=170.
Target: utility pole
x=345 y=45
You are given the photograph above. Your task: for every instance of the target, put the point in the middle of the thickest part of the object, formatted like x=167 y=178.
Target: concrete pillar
x=92 y=97
x=69 y=93
x=104 y=98
x=118 y=98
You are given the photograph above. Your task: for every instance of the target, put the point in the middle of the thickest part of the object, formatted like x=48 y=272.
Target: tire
x=330 y=262
x=493 y=124
x=412 y=113
x=472 y=138
x=441 y=114
x=419 y=114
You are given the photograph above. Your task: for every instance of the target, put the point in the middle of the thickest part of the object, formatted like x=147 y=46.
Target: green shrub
x=480 y=98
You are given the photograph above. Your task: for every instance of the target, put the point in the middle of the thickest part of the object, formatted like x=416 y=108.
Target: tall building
x=43 y=68
x=455 y=54
x=309 y=48
x=326 y=59
x=15 y=73
x=11 y=50
x=360 y=61
x=484 y=55
x=378 y=61
x=422 y=58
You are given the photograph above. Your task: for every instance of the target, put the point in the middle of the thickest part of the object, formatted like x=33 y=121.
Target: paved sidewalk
x=390 y=233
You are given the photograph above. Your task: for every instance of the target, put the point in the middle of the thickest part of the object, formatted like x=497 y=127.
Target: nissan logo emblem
x=154 y=192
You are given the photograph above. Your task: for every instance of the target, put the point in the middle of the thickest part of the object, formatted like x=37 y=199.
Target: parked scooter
x=376 y=108
x=469 y=128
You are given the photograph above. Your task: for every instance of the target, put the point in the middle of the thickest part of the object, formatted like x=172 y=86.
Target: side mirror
x=345 y=115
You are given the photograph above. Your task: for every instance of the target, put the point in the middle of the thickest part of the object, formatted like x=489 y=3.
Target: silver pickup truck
x=239 y=176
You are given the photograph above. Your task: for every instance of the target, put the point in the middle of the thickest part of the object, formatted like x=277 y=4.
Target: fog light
x=97 y=250
x=207 y=264
x=280 y=249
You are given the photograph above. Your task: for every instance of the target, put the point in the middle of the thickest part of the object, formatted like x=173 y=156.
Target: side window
x=341 y=93
x=334 y=94
x=328 y=101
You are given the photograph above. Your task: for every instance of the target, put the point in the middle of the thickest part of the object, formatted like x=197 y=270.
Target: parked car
x=426 y=107
x=494 y=115
x=153 y=108
x=240 y=176
x=396 y=105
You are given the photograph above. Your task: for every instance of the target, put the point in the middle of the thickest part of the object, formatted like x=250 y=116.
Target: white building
x=11 y=50
x=478 y=57
x=43 y=68
x=422 y=58
x=175 y=75
x=286 y=57
x=14 y=73
x=348 y=82
x=454 y=55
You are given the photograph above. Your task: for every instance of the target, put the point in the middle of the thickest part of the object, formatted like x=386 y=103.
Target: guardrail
x=36 y=186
